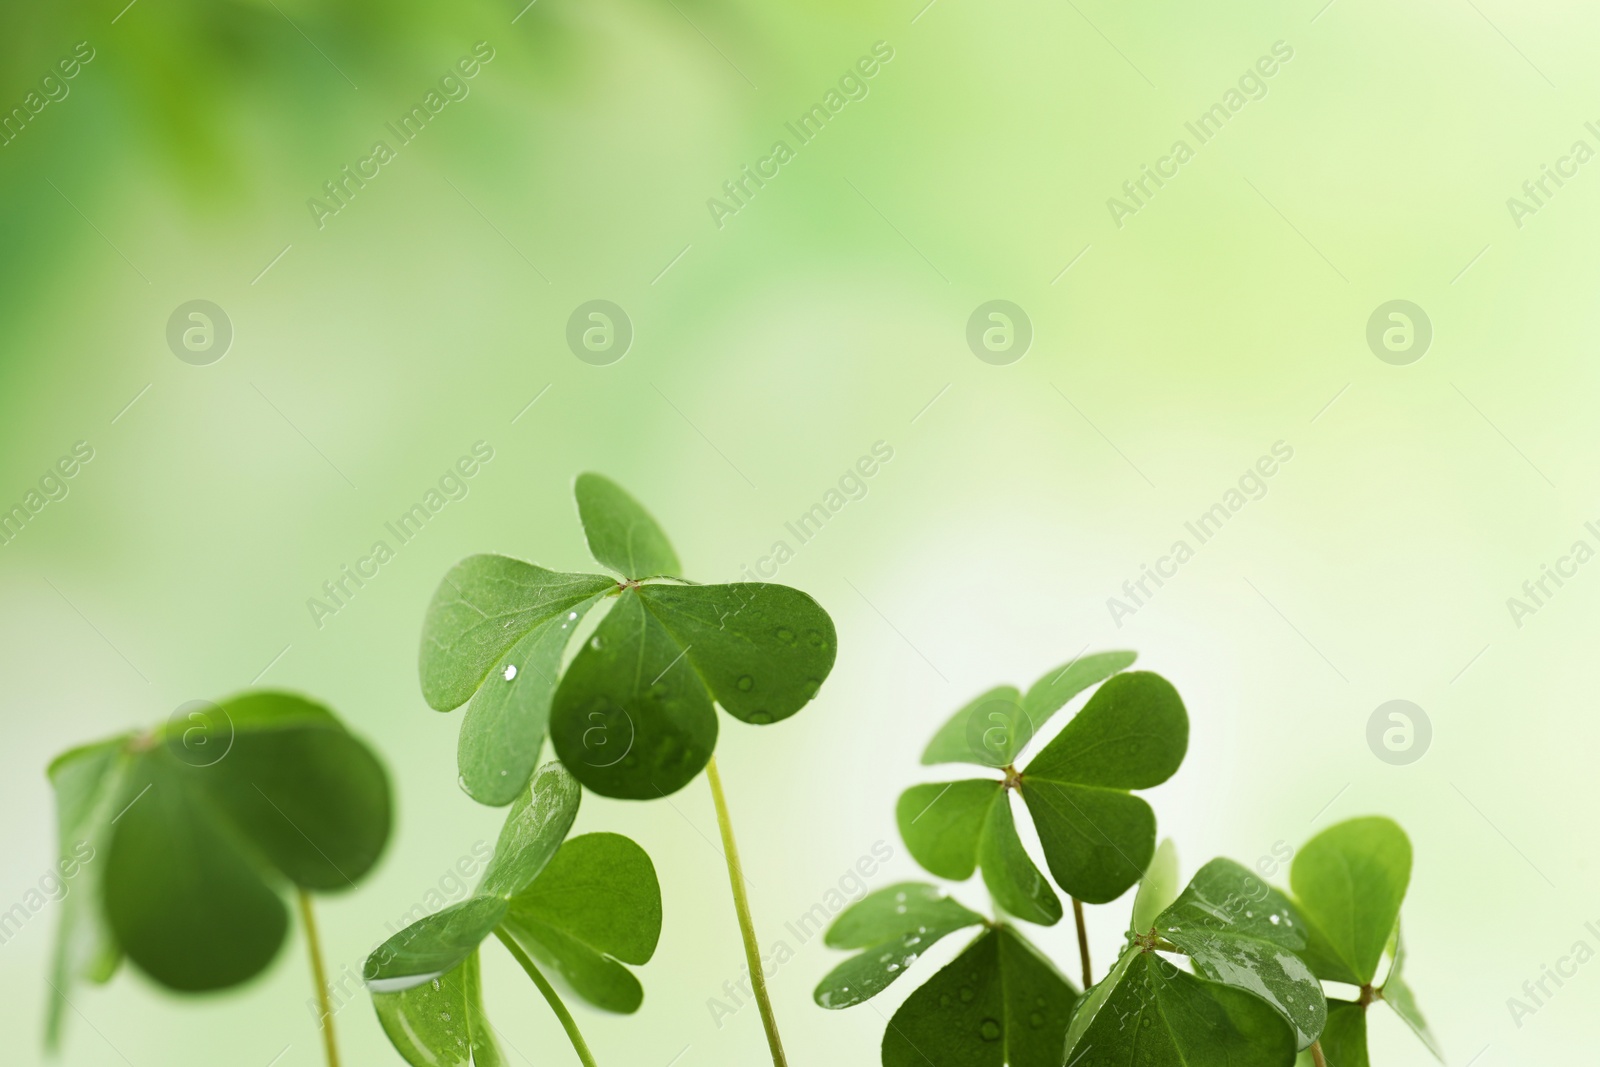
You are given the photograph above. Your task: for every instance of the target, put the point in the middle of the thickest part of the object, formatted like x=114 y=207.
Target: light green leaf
x=941 y=824
x=440 y=1022
x=1349 y=881
x=268 y=785
x=88 y=784
x=989 y=731
x=1148 y=1013
x=1098 y=839
x=896 y=925
x=999 y=1002
x=534 y=829
x=1397 y=994
x=1241 y=932
x=1013 y=880
x=432 y=945
x=596 y=906
x=1344 y=1039
x=761 y=650
x=484 y=606
x=1051 y=692
x=631 y=718
x=621 y=533
x=503 y=730
x=1157 y=889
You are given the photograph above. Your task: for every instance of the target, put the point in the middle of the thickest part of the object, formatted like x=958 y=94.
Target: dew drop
x=989 y=1030
x=571 y=615
x=1273 y=919
x=745 y=683
x=1249 y=915
x=445 y=1016
x=1036 y=1020
x=784 y=634
x=436 y=985
x=967 y=995
x=761 y=718
x=944 y=1000
x=510 y=672
x=594 y=642
x=815 y=639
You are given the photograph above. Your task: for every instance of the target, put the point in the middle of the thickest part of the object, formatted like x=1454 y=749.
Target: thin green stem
x=1316 y=1054
x=741 y=904
x=562 y=1014
x=1083 y=941
x=319 y=975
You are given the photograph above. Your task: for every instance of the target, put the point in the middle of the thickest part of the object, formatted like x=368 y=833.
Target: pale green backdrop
x=1227 y=313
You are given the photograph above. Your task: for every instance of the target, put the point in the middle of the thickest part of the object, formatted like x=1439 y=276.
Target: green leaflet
x=1157 y=889
x=87 y=782
x=440 y=1022
x=1344 y=1039
x=1012 y=879
x=596 y=906
x=185 y=826
x=999 y=1002
x=621 y=533
x=1241 y=932
x=1349 y=881
x=1097 y=838
x=633 y=715
x=534 y=828
x=942 y=822
x=1148 y=1013
x=484 y=606
x=993 y=729
x=433 y=945
x=1397 y=994
x=895 y=925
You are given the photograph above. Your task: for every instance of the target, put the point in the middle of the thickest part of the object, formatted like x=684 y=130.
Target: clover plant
x=578 y=908
x=1228 y=971
x=189 y=835
x=632 y=714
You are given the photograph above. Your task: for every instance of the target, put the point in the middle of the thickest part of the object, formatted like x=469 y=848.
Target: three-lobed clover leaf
x=186 y=836
x=999 y=1002
x=581 y=907
x=1350 y=881
x=1097 y=837
x=634 y=714
x=1250 y=1002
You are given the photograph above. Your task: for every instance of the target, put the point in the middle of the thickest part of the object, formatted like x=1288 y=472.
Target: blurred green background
x=1228 y=313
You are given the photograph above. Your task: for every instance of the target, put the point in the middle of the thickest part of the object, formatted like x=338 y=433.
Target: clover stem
x=1083 y=941
x=319 y=975
x=1316 y=1054
x=741 y=904
x=550 y=995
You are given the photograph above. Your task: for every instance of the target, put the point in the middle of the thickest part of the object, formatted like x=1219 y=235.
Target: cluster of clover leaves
x=1252 y=993
x=206 y=822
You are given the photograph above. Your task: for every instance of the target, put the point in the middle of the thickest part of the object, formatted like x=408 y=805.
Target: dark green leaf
x=942 y=823
x=1397 y=994
x=621 y=533
x=999 y=1002
x=484 y=606
x=433 y=945
x=534 y=829
x=504 y=728
x=896 y=925
x=1157 y=889
x=761 y=650
x=1013 y=880
x=1350 y=880
x=631 y=718
x=1148 y=1013
x=1050 y=693
x=595 y=904
x=440 y=1022
x=1241 y=932
x=1344 y=1039
x=1097 y=839
x=989 y=731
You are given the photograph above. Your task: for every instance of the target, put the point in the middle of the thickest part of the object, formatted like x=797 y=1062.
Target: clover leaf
x=1097 y=838
x=186 y=836
x=577 y=908
x=633 y=716
x=1350 y=881
x=998 y=1002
